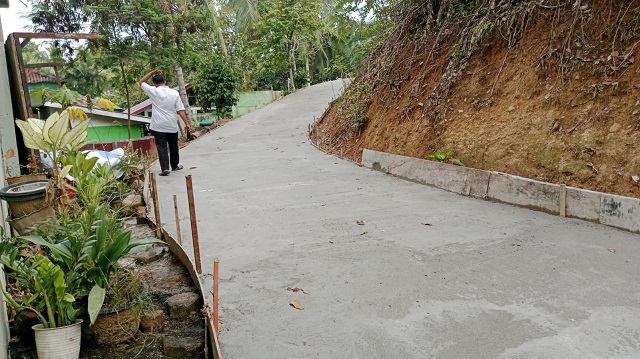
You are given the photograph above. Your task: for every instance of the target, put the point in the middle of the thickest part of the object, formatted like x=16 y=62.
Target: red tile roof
x=34 y=77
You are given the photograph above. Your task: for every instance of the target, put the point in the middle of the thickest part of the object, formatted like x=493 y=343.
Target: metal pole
x=194 y=224
x=156 y=204
x=215 y=295
x=175 y=207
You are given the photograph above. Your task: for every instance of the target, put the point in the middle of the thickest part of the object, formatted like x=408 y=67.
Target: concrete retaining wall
x=461 y=180
x=612 y=210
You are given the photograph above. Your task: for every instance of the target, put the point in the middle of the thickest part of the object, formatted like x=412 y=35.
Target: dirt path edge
x=213 y=345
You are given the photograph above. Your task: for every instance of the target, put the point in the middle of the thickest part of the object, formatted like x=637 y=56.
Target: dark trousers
x=164 y=139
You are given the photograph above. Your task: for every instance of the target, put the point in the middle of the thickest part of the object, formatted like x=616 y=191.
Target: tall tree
x=285 y=28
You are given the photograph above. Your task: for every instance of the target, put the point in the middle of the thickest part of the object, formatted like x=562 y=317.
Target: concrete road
x=430 y=274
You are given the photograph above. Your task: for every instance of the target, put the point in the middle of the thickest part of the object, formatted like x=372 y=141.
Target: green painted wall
x=49 y=85
x=112 y=133
x=251 y=101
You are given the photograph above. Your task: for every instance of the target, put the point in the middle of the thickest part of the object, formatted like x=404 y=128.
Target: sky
x=10 y=18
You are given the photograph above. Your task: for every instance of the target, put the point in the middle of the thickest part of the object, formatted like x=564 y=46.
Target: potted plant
x=49 y=295
x=62 y=280
x=30 y=172
x=119 y=317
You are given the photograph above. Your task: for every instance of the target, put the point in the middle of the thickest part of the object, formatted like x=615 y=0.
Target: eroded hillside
x=548 y=90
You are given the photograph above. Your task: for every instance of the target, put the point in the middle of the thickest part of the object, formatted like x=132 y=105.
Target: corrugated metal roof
x=34 y=77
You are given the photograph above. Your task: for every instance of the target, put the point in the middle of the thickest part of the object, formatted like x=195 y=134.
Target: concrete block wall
x=609 y=209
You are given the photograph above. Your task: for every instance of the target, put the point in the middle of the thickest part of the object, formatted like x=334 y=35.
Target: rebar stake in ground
x=194 y=225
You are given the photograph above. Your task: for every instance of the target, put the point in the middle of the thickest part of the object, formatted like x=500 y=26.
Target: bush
x=301 y=78
x=216 y=85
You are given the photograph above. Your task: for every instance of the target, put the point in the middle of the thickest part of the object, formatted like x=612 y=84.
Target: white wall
x=7 y=167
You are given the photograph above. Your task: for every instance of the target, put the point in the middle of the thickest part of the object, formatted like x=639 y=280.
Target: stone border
x=609 y=209
x=177 y=250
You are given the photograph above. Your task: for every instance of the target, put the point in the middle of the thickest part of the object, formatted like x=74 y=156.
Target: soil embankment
x=545 y=92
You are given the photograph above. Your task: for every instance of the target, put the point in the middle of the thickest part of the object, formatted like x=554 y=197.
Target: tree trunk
x=182 y=87
x=292 y=85
x=126 y=91
x=309 y=71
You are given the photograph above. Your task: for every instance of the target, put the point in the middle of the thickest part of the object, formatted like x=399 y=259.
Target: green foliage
x=216 y=86
x=440 y=155
x=48 y=293
x=82 y=244
x=301 y=78
x=287 y=30
x=63 y=95
x=89 y=73
x=33 y=54
x=443 y=156
x=94 y=184
x=54 y=136
x=276 y=80
x=85 y=248
x=355 y=103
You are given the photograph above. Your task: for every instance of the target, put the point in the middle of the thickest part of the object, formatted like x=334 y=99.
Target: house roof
x=34 y=77
x=146 y=104
x=82 y=102
x=95 y=111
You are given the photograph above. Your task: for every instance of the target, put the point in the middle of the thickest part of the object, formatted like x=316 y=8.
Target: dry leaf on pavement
x=296 y=304
x=612 y=250
x=360 y=222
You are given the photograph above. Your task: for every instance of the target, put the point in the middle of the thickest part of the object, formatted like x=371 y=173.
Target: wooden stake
x=175 y=207
x=194 y=225
x=215 y=295
x=145 y=187
x=156 y=204
x=563 y=200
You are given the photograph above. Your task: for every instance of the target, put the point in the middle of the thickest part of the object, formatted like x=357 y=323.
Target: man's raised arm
x=146 y=77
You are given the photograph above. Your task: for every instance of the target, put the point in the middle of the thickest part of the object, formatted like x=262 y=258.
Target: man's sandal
x=178 y=168
x=165 y=172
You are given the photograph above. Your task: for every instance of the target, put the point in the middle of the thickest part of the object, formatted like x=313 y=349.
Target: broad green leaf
x=115 y=250
x=76 y=135
x=32 y=298
x=64 y=171
x=96 y=299
x=32 y=139
x=58 y=249
x=50 y=121
x=36 y=124
x=59 y=128
x=88 y=164
x=69 y=298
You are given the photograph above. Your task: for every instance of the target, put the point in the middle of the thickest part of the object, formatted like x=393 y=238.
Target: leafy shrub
x=442 y=156
x=216 y=85
x=274 y=80
x=301 y=78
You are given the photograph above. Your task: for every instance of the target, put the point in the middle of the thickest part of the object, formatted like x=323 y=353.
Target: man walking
x=166 y=103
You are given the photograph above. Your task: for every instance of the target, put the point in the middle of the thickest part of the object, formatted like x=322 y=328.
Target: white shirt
x=166 y=103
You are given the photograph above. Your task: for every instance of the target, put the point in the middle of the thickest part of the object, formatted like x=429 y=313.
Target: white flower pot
x=58 y=343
